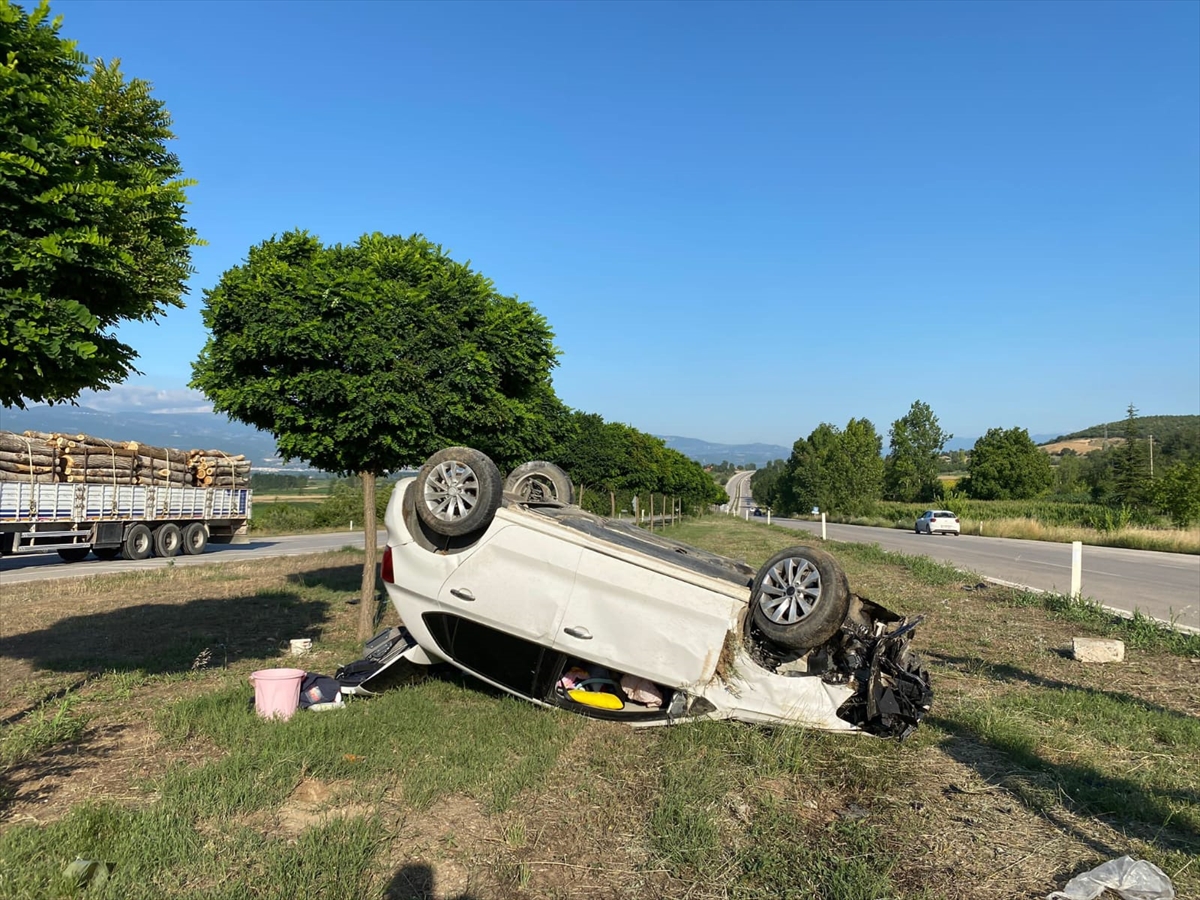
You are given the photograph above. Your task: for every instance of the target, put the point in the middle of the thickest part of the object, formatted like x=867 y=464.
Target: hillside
x=1163 y=428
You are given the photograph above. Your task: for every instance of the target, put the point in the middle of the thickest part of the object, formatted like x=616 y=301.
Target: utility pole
x=1151 y=457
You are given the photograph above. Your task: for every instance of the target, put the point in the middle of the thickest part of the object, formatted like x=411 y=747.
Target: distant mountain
x=707 y=453
x=184 y=431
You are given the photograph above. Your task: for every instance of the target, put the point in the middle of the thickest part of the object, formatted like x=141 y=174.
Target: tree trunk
x=366 y=605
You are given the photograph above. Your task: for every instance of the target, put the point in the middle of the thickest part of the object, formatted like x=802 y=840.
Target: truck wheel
x=107 y=553
x=73 y=554
x=195 y=539
x=458 y=491
x=168 y=540
x=139 y=543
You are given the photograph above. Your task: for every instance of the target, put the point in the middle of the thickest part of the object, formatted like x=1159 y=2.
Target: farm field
x=1031 y=768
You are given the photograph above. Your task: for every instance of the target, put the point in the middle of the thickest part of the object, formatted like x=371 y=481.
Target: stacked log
x=42 y=457
x=28 y=459
x=214 y=468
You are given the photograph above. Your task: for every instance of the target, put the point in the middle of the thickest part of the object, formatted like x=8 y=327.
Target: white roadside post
x=1076 y=569
x=822 y=526
x=768 y=515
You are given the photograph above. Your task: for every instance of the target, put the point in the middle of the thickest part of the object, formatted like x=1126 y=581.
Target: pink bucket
x=276 y=692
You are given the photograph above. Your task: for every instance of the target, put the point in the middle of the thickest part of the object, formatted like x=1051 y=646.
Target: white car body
x=542 y=590
x=937 y=521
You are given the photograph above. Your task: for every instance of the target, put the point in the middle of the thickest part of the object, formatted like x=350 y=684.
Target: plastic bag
x=1133 y=879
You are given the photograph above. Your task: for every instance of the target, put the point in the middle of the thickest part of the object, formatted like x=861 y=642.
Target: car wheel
x=139 y=543
x=540 y=482
x=73 y=554
x=800 y=598
x=459 y=491
x=916 y=529
x=168 y=540
x=195 y=539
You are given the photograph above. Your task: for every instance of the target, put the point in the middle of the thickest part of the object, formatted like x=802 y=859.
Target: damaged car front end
x=510 y=582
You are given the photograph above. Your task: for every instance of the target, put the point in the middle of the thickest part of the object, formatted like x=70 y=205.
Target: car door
x=636 y=616
x=517 y=583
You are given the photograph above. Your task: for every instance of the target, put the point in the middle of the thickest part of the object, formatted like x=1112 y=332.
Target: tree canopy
x=916 y=442
x=1006 y=464
x=92 y=229
x=370 y=357
x=833 y=469
x=612 y=462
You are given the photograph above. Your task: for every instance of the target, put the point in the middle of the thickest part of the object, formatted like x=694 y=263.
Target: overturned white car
x=512 y=583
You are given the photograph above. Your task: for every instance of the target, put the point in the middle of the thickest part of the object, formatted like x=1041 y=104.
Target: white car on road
x=509 y=581
x=938 y=521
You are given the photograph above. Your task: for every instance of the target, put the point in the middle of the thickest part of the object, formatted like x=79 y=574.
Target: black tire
x=74 y=554
x=139 y=543
x=540 y=482
x=195 y=539
x=107 y=553
x=800 y=598
x=168 y=540
x=458 y=491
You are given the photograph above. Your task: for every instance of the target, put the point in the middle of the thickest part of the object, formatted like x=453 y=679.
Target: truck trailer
x=115 y=521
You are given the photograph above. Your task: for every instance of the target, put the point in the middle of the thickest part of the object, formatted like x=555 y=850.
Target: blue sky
x=741 y=220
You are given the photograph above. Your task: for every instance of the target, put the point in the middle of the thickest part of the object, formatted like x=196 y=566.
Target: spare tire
x=458 y=491
x=800 y=598
x=540 y=482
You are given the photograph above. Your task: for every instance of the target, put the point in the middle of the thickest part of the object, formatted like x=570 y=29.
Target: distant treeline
x=843 y=470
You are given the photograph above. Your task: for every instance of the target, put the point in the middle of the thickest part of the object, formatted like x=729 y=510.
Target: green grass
x=53 y=723
x=1138 y=631
x=1057 y=764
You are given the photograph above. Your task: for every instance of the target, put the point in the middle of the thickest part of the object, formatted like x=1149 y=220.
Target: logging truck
x=77 y=494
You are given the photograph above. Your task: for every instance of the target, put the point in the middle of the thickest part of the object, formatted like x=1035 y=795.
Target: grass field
x=127 y=738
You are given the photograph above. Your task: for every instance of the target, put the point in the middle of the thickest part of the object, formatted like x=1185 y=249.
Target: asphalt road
x=1165 y=586
x=41 y=566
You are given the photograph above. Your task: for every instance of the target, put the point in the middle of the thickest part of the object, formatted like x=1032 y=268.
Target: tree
x=1131 y=466
x=369 y=358
x=840 y=471
x=1007 y=465
x=92 y=229
x=916 y=442
x=1177 y=493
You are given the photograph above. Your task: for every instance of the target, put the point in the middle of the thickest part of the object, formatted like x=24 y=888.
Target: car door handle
x=578 y=631
x=462 y=593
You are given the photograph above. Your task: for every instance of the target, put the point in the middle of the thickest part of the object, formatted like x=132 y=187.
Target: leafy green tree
x=92 y=229
x=765 y=484
x=911 y=467
x=1007 y=465
x=839 y=471
x=1177 y=493
x=370 y=357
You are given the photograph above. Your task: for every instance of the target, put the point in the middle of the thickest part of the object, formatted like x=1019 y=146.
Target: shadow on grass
x=162 y=638
x=1004 y=673
x=1146 y=812
x=415 y=881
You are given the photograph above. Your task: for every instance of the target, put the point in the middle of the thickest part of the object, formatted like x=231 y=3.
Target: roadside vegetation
x=1031 y=768
x=1125 y=494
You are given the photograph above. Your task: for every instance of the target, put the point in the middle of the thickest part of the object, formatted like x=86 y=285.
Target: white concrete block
x=1097 y=649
